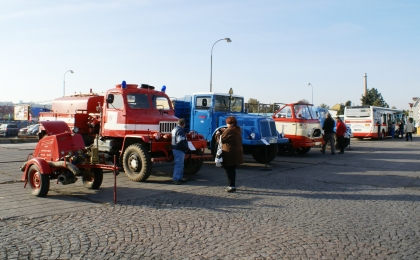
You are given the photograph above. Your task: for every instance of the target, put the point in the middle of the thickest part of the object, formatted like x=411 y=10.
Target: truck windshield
x=138 y=101
x=222 y=104
x=304 y=112
x=160 y=102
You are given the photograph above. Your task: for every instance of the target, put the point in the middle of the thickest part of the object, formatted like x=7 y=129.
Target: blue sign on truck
x=206 y=112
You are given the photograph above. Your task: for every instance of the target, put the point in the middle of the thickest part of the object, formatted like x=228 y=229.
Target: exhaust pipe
x=63 y=179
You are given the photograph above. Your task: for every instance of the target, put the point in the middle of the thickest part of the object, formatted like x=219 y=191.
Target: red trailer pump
x=133 y=123
x=61 y=155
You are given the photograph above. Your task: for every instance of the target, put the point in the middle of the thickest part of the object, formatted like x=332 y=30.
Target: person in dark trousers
x=232 y=151
x=402 y=129
x=409 y=129
x=179 y=148
x=340 y=131
x=328 y=128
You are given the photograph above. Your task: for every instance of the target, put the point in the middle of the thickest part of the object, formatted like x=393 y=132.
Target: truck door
x=201 y=118
x=115 y=117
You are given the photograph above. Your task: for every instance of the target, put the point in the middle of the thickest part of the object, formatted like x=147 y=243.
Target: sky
x=278 y=47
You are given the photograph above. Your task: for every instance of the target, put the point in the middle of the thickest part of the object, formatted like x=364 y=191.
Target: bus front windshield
x=304 y=112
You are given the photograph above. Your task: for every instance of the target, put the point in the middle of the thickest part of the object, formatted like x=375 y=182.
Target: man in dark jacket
x=179 y=148
x=328 y=128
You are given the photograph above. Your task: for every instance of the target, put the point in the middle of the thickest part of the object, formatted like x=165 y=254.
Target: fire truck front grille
x=166 y=127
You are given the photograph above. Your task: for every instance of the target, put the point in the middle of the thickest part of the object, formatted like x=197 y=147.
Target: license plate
x=318 y=143
x=272 y=141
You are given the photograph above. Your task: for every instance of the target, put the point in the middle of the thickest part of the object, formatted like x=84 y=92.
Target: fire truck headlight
x=193 y=134
x=75 y=129
x=70 y=153
x=157 y=135
x=252 y=135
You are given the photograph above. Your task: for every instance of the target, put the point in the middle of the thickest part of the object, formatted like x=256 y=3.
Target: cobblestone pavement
x=364 y=204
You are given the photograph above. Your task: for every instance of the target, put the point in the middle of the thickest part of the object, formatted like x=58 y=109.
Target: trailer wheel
x=194 y=166
x=286 y=149
x=93 y=179
x=39 y=183
x=261 y=155
x=137 y=163
x=303 y=150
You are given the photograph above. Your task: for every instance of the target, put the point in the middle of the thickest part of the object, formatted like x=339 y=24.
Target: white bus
x=370 y=121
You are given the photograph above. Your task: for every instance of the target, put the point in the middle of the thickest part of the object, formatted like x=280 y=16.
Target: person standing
x=409 y=129
x=232 y=152
x=340 y=131
x=402 y=128
x=328 y=128
x=179 y=148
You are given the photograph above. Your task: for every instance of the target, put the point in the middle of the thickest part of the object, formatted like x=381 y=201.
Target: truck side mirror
x=110 y=98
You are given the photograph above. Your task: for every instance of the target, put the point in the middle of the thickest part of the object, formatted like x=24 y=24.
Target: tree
x=324 y=106
x=253 y=105
x=303 y=101
x=373 y=98
x=341 y=110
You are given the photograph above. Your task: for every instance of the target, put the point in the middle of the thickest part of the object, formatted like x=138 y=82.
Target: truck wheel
x=261 y=156
x=39 y=183
x=137 y=163
x=93 y=179
x=286 y=149
x=303 y=150
x=193 y=167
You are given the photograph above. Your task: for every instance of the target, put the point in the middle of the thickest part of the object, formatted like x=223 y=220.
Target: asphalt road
x=364 y=204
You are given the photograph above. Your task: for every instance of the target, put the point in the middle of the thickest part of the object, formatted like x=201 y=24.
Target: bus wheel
x=286 y=149
x=303 y=150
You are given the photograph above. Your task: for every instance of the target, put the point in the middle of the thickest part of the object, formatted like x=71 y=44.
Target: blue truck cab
x=206 y=112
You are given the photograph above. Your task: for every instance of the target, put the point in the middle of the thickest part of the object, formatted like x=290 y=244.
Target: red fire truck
x=131 y=122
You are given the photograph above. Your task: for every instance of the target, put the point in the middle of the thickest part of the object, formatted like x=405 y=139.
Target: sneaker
x=322 y=151
x=230 y=189
x=332 y=153
x=176 y=182
x=183 y=180
x=340 y=152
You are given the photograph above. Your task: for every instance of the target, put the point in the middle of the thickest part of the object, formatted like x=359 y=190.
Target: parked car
x=8 y=130
x=29 y=130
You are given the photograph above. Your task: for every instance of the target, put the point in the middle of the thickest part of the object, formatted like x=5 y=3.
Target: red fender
x=43 y=166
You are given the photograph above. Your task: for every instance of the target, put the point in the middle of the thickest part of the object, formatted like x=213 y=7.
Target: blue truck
x=206 y=112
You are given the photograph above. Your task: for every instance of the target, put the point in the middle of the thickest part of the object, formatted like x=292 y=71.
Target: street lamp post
x=211 y=59
x=312 y=92
x=64 y=82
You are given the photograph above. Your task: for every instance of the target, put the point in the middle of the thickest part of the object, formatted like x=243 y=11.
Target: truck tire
x=93 y=179
x=286 y=149
x=38 y=182
x=303 y=150
x=261 y=156
x=193 y=167
x=137 y=163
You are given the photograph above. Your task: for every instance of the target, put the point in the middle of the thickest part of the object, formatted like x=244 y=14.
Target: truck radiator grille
x=166 y=127
x=268 y=129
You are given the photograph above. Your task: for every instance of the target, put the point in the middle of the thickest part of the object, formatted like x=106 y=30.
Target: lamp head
x=228 y=40
x=71 y=71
